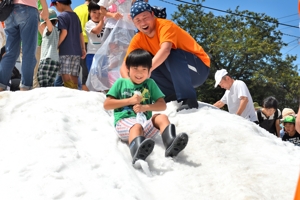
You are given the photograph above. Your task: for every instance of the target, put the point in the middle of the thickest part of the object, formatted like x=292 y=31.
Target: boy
x=49 y=61
x=93 y=30
x=269 y=116
x=291 y=134
x=126 y=104
x=71 y=43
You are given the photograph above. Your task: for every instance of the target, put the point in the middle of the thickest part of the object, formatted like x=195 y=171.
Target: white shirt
x=94 y=40
x=232 y=99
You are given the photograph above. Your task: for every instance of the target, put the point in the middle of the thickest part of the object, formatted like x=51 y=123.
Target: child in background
x=126 y=105
x=269 y=116
x=49 y=62
x=93 y=30
x=71 y=43
x=291 y=134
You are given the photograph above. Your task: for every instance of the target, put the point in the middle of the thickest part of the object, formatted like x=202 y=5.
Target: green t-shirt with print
x=124 y=88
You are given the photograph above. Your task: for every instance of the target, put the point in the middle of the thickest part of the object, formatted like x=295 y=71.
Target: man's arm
x=298 y=121
x=219 y=104
x=124 y=70
x=243 y=104
x=161 y=55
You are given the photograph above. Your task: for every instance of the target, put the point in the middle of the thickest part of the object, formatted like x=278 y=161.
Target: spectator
x=20 y=29
x=49 y=64
x=35 y=83
x=298 y=121
x=93 y=30
x=291 y=133
x=237 y=96
x=285 y=112
x=269 y=116
x=83 y=15
x=71 y=43
x=179 y=64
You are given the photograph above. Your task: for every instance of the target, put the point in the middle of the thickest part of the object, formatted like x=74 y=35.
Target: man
x=20 y=29
x=237 y=96
x=179 y=64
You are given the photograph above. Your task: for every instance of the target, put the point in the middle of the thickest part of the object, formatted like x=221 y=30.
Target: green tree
x=247 y=45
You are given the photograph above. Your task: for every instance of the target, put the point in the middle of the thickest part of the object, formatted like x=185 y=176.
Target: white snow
x=58 y=143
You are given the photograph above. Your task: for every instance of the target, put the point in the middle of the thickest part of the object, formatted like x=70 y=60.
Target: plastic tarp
x=105 y=69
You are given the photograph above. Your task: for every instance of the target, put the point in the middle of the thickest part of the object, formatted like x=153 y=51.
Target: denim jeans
x=20 y=27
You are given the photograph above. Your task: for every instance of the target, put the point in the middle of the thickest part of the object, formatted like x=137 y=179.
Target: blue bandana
x=139 y=7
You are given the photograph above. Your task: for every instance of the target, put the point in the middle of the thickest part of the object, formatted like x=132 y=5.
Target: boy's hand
x=83 y=52
x=138 y=108
x=135 y=99
x=117 y=16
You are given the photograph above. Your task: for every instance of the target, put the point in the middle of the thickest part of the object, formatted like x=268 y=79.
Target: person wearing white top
x=93 y=30
x=237 y=96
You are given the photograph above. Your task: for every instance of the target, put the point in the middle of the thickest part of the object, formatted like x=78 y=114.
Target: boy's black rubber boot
x=174 y=144
x=140 y=148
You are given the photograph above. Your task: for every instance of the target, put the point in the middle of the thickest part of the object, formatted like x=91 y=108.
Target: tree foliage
x=247 y=45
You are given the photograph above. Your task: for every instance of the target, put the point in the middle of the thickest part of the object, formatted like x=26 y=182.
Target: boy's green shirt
x=124 y=88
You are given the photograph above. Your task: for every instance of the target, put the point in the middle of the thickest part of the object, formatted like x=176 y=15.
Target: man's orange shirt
x=168 y=31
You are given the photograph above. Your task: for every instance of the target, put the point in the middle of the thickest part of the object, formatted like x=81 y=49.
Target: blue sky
x=286 y=13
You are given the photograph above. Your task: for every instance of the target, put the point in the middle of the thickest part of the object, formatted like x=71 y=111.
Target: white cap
x=219 y=75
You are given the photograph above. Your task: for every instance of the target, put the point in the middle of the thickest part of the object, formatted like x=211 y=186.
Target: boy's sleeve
x=113 y=91
x=62 y=23
x=89 y=27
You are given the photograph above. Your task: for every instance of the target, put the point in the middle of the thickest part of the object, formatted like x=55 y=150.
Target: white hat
x=219 y=75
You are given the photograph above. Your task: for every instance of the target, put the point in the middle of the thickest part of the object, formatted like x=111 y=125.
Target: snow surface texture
x=58 y=143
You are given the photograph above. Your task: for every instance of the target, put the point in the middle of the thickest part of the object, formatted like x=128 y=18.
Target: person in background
x=269 y=116
x=285 y=112
x=20 y=29
x=126 y=104
x=298 y=121
x=49 y=63
x=83 y=15
x=291 y=133
x=37 y=53
x=256 y=106
x=71 y=43
x=237 y=96
x=179 y=64
x=93 y=30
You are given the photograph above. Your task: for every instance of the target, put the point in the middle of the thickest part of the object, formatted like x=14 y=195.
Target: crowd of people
x=162 y=61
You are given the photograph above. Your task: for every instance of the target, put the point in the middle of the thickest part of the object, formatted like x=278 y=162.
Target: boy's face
x=269 y=111
x=95 y=15
x=57 y=5
x=289 y=128
x=138 y=74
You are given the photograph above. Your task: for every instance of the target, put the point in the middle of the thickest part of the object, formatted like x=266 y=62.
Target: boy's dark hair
x=67 y=2
x=139 y=57
x=93 y=6
x=270 y=102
